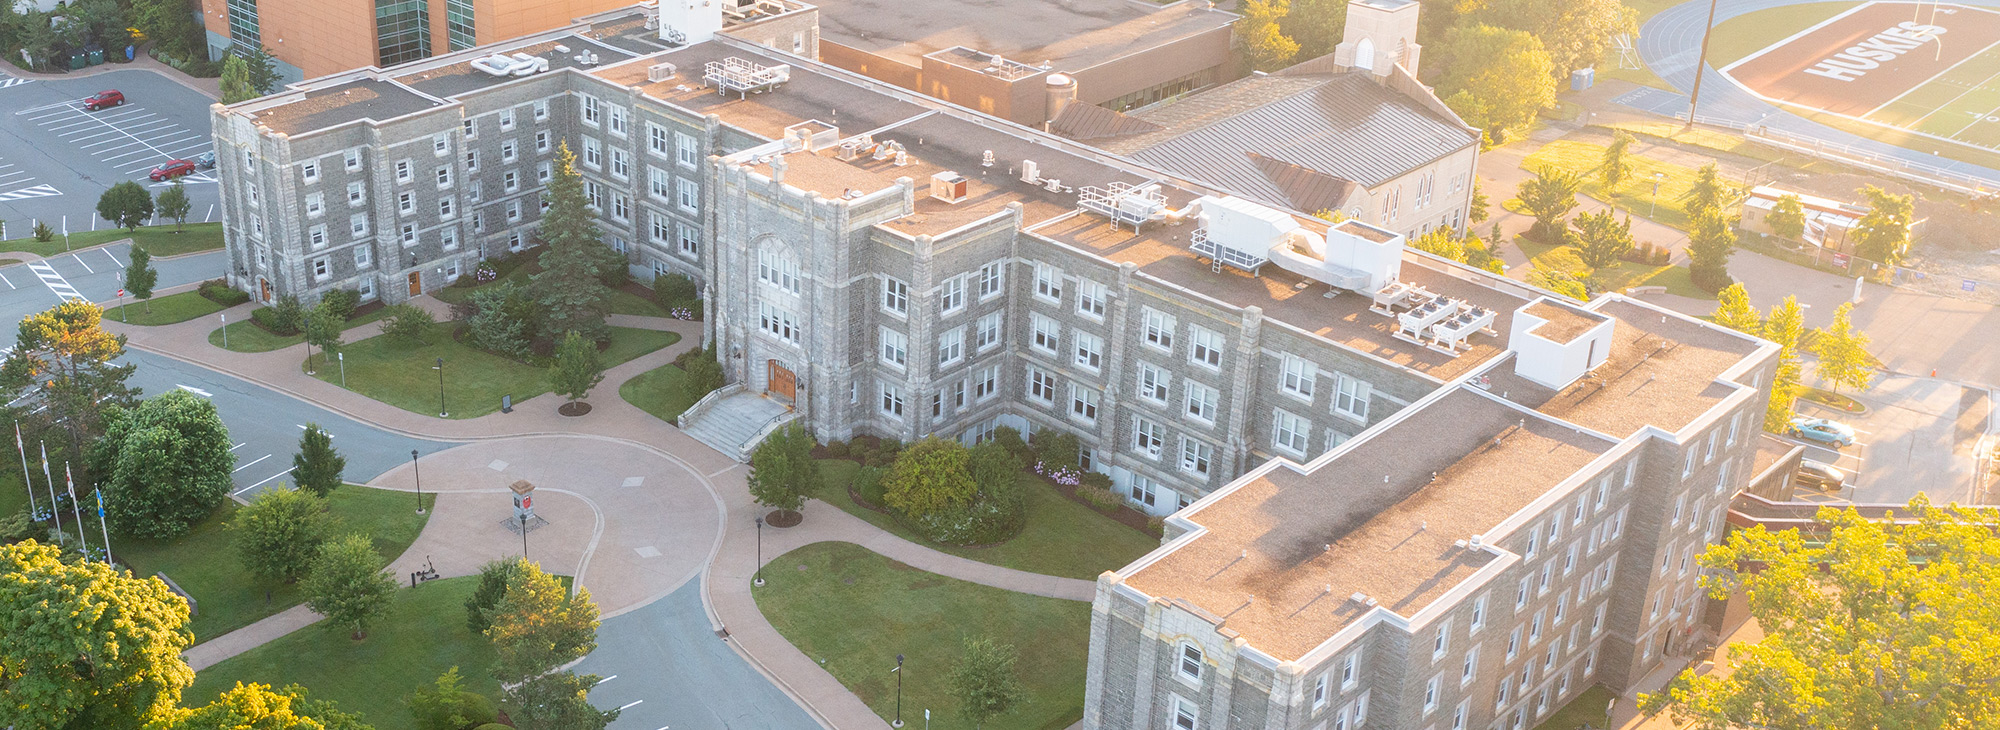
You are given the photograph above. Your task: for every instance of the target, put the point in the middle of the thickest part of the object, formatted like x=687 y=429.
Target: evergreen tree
x=1733 y=310
x=263 y=70
x=1787 y=218
x=173 y=204
x=1842 y=352
x=782 y=470
x=346 y=584
x=1785 y=326
x=1601 y=239
x=493 y=579
x=572 y=297
x=576 y=369
x=125 y=204
x=279 y=534
x=1708 y=194
x=497 y=325
x=140 y=276
x=236 y=86
x=1884 y=233
x=317 y=466
x=1478 y=214
x=1548 y=196
x=931 y=477
x=85 y=645
x=985 y=682
x=1615 y=167
x=1711 y=240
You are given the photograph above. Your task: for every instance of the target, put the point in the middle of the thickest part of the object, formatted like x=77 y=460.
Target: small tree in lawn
x=1478 y=213
x=1884 y=233
x=1601 y=239
x=493 y=579
x=538 y=626
x=558 y=701
x=174 y=204
x=572 y=296
x=322 y=329
x=1711 y=239
x=140 y=276
x=1548 y=196
x=446 y=705
x=279 y=534
x=930 y=477
x=317 y=466
x=125 y=204
x=1787 y=218
x=346 y=584
x=1615 y=167
x=984 y=682
x=782 y=471
x=163 y=465
x=408 y=321
x=1708 y=194
x=575 y=371
x=1842 y=352
x=704 y=374
x=1785 y=326
x=1733 y=310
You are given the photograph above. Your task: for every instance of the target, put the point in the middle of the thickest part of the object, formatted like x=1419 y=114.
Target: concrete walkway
x=688 y=513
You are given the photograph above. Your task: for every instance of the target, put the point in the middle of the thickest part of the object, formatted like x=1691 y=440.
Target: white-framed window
x=593 y=153
x=779 y=270
x=447 y=207
x=1190 y=666
x=1046 y=335
x=621 y=164
x=690 y=195
x=1048 y=282
x=1458 y=715
x=357 y=224
x=510 y=181
x=615 y=120
x=509 y=152
x=1154 y=382
x=1205 y=347
x=951 y=346
x=1148 y=438
x=1145 y=492
x=317 y=236
x=322 y=268
x=659 y=183
x=593 y=110
x=895 y=296
x=309 y=171
x=472 y=160
x=1478 y=615
x=408 y=231
x=951 y=295
x=1159 y=329
x=689 y=240
x=356 y=194
x=1441 y=641
x=1288 y=431
x=448 y=236
x=1201 y=401
x=542 y=141
x=406 y=203
x=779 y=321
x=1469 y=666
x=621 y=207
x=352 y=158
x=1041 y=385
x=1082 y=402
x=987 y=331
x=1513 y=643
x=895 y=348
x=991 y=279
x=506 y=120
x=364 y=257
x=986 y=382
x=892 y=400
x=1300 y=376
x=1090 y=297
x=1350 y=670
x=1431 y=694
x=1089 y=351
x=1196 y=456
x=1352 y=400
x=315 y=204
x=657 y=141
x=1186 y=715
x=542 y=110
x=687 y=149
x=403 y=171
x=443 y=174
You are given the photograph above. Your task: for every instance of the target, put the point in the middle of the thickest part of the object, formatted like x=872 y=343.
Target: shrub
x=1096 y=480
x=1564 y=260
x=891 y=448
x=283 y=317
x=678 y=292
x=1156 y=525
x=408 y=321
x=218 y=291
x=1055 y=449
x=1099 y=498
x=704 y=374
x=1010 y=439
x=341 y=302
x=44 y=233
x=483 y=272
x=868 y=485
x=836 y=449
x=17 y=527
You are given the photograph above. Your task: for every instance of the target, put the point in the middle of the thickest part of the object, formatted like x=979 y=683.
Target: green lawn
x=246 y=336
x=1635 y=195
x=203 y=562
x=853 y=611
x=1061 y=537
x=422 y=635
x=402 y=373
x=170 y=309
x=159 y=240
x=1624 y=275
x=1587 y=708
x=625 y=302
x=657 y=391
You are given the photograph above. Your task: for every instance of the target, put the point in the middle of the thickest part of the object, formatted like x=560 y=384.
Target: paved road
x=55 y=160
x=265 y=425
x=94 y=274
x=665 y=659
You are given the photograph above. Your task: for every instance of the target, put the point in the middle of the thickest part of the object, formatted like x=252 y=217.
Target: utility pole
x=1701 y=66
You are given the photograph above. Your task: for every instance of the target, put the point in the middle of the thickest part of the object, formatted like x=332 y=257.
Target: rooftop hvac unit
x=1031 y=173
x=744 y=77
x=1123 y=203
x=986 y=160
x=660 y=72
x=949 y=186
x=851 y=150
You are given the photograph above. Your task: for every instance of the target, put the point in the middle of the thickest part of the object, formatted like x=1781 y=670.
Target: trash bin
x=1582 y=79
x=97 y=57
x=78 y=61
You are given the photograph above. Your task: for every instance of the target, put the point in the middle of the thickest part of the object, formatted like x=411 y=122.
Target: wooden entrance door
x=264 y=290
x=782 y=382
x=416 y=283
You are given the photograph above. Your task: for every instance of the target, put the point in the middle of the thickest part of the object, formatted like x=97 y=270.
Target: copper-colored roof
x=1089 y=122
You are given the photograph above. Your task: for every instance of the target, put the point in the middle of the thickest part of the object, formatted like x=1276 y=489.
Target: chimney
x=778 y=169
x=1061 y=89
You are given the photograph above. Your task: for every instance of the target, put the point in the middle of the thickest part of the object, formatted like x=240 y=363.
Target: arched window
x=1364 y=54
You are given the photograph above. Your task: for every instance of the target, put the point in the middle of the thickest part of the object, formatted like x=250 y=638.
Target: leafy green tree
x=1879 y=626
x=236 y=85
x=984 y=681
x=288 y=316
x=1575 y=33
x=322 y=329
x=170 y=27
x=1733 y=310
x=258 y=707
x=1785 y=326
x=140 y=276
x=572 y=297
x=1884 y=233
x=64 y=356
x=125 y=204
x=1548 y=196
x=538 y=626
x=1560 y=282
x=84 y=645
x=346 y=584
x=279 y=534
x=493 y=579
x=317 y=466
x=1478 y=214
x=577 y=368
x=1787 y=218
x=1842 y=352
x=1505 y=77
x=496 y=324
x=408 y=321
x=1601 y=239
x=1261 y=37
x=1615 y=168
x=263 y=70
x=558 y=701
x=447 y=705
x=173 y=204
x=1709 y=193
x=929 y=477
x=1317 y=26
x=1711 y=240
x=782 y=470
x=164 y=465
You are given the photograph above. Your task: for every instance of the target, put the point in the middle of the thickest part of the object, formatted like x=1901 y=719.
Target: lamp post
x=524 y=535
x=225 y=330
x=899 y=691
x=440 y=368
x=1655 y=207
x=420 y=480
x=758 y=576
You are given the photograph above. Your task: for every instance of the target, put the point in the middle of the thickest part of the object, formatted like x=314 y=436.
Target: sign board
x=1968 y=285
x=524 y=500
x=1840 y=260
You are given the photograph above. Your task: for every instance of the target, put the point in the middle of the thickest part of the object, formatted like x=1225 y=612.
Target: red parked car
x=170 y=169
x=103 y=99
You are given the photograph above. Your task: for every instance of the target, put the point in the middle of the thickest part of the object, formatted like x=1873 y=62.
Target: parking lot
x=1919 y=435
x=56 y=158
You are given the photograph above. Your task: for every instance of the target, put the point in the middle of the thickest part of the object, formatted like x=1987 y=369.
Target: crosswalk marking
x=7 y=81
x=55 y=281
x=38 y=191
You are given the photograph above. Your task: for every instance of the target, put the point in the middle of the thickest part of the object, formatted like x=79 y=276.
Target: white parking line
x=114 y=259
x=302 y=427
x=252 y=463
x=199 y=392
x=232 y=448
x=10 y=282
x=134 y=138
x=287 y=470
x=79 y=260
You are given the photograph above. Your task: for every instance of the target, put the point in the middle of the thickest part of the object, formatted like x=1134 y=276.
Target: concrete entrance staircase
x=733 y=421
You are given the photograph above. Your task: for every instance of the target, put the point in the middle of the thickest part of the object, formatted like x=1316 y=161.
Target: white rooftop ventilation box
x=1554 y=343
x=687 y=22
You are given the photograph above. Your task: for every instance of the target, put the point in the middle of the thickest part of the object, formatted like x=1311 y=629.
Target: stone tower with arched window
x=1381 y=34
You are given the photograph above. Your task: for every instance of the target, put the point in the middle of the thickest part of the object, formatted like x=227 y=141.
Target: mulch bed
x=782 y=518
x=573 y=408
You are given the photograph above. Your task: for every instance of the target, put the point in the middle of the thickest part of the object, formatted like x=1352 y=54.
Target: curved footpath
x=636 y=506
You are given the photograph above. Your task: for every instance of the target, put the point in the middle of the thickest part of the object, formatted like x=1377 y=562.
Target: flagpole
x=54 y=507
x=76 y=509
x=101 y=524
x=23 y=448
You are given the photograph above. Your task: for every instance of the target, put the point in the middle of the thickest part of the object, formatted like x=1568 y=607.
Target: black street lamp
x=899 y=692
x=524 y=535
x=440 y=368
x=758 y=576
x=420 y=480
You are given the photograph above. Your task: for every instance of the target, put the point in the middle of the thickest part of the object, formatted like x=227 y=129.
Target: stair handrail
x=701 y=406
x=764 y=432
